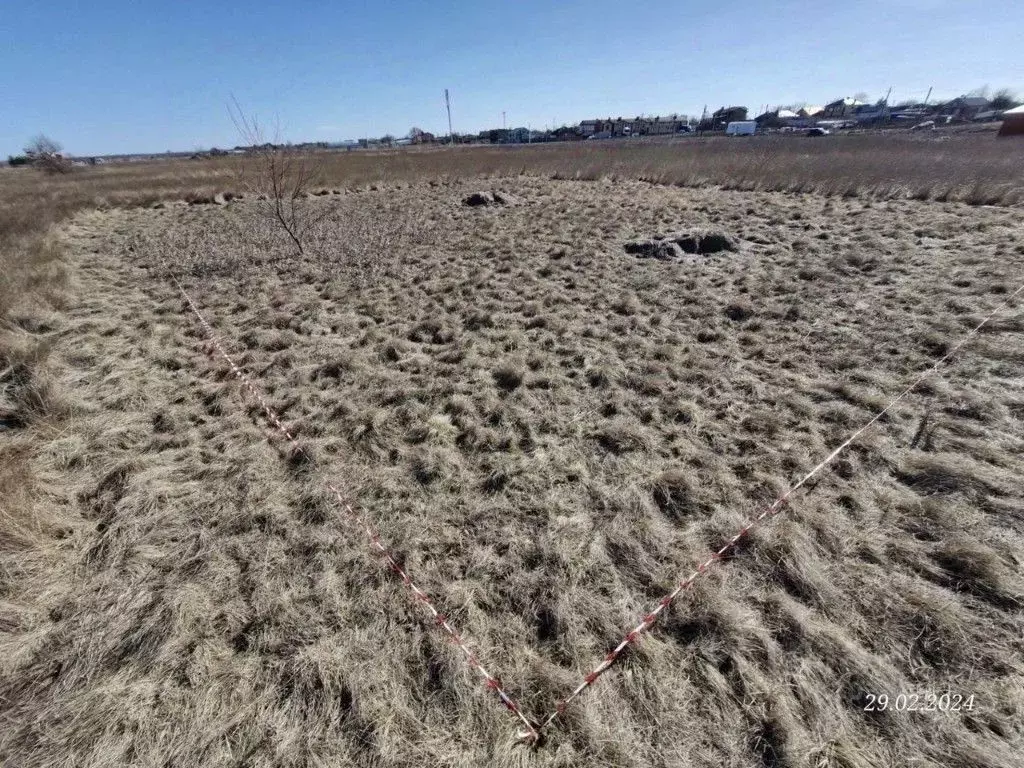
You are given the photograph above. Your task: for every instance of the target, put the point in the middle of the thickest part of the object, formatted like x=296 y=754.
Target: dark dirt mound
x=489 y=198
x=673 y=247
x=478 y=198
x=663 y=250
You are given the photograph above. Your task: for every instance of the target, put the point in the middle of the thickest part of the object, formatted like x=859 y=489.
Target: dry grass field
x=549 y=428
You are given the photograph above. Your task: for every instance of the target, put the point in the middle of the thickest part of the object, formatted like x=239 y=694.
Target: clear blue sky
x=113 y=76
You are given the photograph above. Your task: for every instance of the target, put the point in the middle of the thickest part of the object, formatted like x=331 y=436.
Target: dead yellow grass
x=549 y=431
x=972 y=168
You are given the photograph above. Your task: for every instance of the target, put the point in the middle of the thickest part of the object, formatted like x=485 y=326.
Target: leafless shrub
x=45 y=154
x=361 y=245
x=280 y=177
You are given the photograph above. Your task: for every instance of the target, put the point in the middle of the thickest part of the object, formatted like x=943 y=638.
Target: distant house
x=494 y=136
x=722 y=117
x=812 y=110
x=965 y=108
x=781 y=118
x=911 y=112
x=1013 y=122
x=566 y=133
x=840 y=108
x=657 y=126
x=423 y=137
x=624 y=126
x=663 y=126
x=613 y=126
x=871 y=113
x=519 y=135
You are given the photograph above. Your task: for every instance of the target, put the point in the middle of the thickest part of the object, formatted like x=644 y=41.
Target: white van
x=741 y=128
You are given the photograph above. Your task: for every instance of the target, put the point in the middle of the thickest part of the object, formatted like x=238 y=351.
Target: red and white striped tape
x=533 y=730
x=491 y=681
x=649 y=620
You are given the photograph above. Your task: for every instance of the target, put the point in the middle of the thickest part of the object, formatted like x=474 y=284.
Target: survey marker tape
x=649 y=620
x=493 y=683
x=533 y=730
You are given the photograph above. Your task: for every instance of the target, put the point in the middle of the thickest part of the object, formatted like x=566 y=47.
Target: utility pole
x=928 y=96
x=503 y=120
x=448 y=106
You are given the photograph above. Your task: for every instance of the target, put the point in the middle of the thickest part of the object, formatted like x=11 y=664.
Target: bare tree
x=45 y=154
x=280 y=176
x=355 y=243
x=1004 y=98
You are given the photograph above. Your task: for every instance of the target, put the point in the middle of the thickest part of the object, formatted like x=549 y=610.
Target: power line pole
x=928 y=96
x=448 y=106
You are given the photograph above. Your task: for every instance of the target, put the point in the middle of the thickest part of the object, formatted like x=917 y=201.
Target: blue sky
x=113 y=76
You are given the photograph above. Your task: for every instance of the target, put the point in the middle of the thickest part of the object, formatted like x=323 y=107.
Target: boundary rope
x=492 y=682
x=534 y=729
x=774 y=508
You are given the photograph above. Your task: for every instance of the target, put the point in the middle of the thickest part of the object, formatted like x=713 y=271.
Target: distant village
x=845 y=113
x=839 y=115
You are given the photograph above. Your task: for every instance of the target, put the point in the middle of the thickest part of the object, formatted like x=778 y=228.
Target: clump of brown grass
x=26 y=391
x=621 y=435
x=968 y=566
x=33 y=282
x=739 y=311
x=674 y=494
x=508 y=376
x=948 y=473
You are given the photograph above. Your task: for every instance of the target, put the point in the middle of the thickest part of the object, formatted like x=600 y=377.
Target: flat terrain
x=550 y=430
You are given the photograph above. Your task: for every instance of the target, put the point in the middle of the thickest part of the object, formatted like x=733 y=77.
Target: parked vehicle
x=818 y=132
x=741 y=128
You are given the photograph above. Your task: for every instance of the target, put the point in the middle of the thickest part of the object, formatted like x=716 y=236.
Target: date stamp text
x=919 y=702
